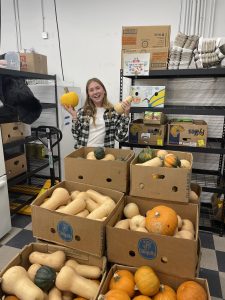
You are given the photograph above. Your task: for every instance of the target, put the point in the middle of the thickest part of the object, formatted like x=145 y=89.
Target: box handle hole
x=158 y=176
x=52 y=230
x=174 y=188
x=108 y=179
x=141 y=186
x=132 y=253
x=77 y=238
x=80 y=177
x=164 y=259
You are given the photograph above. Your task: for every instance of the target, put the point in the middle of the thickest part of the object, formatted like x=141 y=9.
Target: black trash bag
x=18 y=101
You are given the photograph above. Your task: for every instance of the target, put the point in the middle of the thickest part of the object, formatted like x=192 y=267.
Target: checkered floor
x=212 y=259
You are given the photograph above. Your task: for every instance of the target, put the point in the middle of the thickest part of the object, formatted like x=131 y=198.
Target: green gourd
x=45 y=278
x=99 y=153
x=145 y=155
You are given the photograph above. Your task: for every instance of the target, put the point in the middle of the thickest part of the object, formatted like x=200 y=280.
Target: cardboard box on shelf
x=161 y=182
x=147 y=96
x=33 y=62
x=68 y=230
x=140 y=133
x=158 y=57
x=109 y=174
x=14 y=131
x=16 y=166
x=154 y=117
x=167 y=254
x=22 y=258
x=172 y=281
x=145 y=36
x=187 y=132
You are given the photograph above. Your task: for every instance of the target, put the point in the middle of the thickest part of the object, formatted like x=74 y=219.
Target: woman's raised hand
x=71 y=110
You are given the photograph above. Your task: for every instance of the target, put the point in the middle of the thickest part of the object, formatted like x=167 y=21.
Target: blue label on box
x=65 y=231
x=147 y=248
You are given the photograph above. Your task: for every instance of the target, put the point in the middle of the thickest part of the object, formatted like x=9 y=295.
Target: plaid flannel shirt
x=116 y=128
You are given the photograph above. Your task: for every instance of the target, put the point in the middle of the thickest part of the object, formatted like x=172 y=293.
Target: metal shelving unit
x=34 y=166
x=210 y=180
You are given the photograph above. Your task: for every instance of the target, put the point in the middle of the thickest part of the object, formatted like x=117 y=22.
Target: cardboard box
x=109 y=174
x=147 y=96
x=187 y=133
x=166 y=254
x=140 y=133
x=16 y=166
x=14 y=131
x=158 y=57
x=154 y=117
x=33 y=62
x=22 y=258
x=161 y=182
x=145 y=37
x=172 y=281
x=71 y=231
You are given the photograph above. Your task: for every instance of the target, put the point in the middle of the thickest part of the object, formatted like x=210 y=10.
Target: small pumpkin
x=69 y=98
x=142 y=297
x=123 y=280
x=171 y=161
x=162 y=220
x=191 y=290
x=45 y=278
x=11 y=298
x=99 y=153
x=145 y=155
x=115 y=295
x=161 y=154
x=146 y=281
x=165 y=293
x=185 y=164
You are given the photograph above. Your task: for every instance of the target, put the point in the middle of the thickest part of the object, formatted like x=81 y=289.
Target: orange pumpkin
x=191 y=290
x=146 y=281
x=171 y=161
x=142 y=297
x=11 y=298
x=162 y=220
x=123 y=280
x=165 y=293
x=116 y=295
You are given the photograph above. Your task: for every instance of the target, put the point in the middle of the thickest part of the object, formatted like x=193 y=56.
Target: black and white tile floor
x=212 y=264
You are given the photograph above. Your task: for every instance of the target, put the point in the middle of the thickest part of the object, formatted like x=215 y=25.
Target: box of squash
x=106 y=167
x=75 y=215
x=35 y=271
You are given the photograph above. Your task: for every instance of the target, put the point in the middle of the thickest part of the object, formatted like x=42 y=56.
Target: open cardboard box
x=109 y=174
x=172 y=281
x=167 y=254
x=68 y=230
x=22 y=258
x=161 y=182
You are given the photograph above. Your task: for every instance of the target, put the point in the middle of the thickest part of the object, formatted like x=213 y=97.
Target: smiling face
x=96 y=93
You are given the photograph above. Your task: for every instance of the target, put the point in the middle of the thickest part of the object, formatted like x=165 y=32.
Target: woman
x=97 y=124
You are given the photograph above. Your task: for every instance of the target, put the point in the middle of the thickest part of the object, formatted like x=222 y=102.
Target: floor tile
x=208 y=259
x=206 y=239
x=14 y=231
x=215 y=298
x=220 y=260
x=20 y=221
x=222 y=283
x=29 y=226
x=24 y=237
x=6 y=254
x=219 y=242
x=213 y=281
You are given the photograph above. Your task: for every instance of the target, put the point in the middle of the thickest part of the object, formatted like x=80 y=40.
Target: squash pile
x=52 y=276
x=99 y=154
x=161 y=158
x=144 y=284
x=89 y=204
x=160 y=220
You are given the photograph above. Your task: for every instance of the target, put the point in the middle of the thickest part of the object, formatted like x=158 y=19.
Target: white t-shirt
x=97 y=130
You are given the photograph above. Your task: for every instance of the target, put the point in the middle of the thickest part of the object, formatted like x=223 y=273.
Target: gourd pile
x=161 y=158
x=144 y=284
x=99 y=154
x=160 y=220
x=52 y=276
x=89 y=204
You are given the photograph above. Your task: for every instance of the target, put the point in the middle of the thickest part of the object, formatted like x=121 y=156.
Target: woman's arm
x=76 y=128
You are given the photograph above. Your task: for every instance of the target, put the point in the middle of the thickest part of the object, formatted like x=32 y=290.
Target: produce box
x=33 y=62
x=187 y=132
x=148 y=96
x=172 y=281
x=114 y=174
x=22 y=258
x=16 y=166
x=154 y=117
x=71 y=231
x=161 y=182
x=167 y=254
x=14 y=131
x=140 y=133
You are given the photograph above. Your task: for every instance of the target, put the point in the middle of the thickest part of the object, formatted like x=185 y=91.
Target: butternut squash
x=67 y=296
x=123 y=224
x=84 y=213
x=77 y=205
x=142 y=229
x=179 y=222
x=130 y=210
x=59 y=209
x=91 y=205
x=109 y=157
x=103 y=210
x=154 y=162
x=185 y=234
x=136 y=222
x=55 y=294
x=54 y=260
x=68 y=280
x=15 y=281
x=74 y=194
x=91 y=156
x=97 y=197
x=60 y=196
x=87 y=271
x=32 y=270
x=193 y=196
x=187 y=225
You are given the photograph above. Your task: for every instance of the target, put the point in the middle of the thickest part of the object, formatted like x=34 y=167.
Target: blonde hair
x=89 y=106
